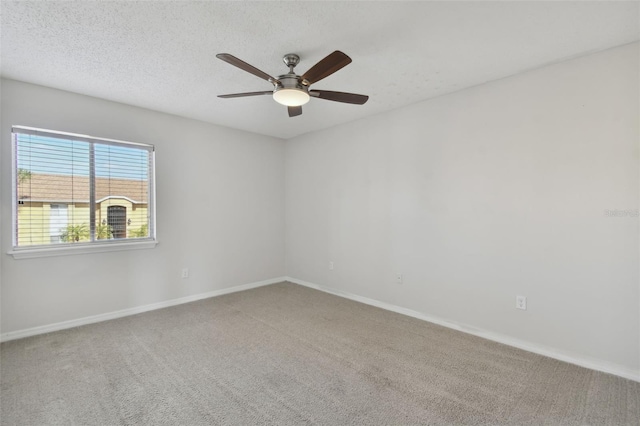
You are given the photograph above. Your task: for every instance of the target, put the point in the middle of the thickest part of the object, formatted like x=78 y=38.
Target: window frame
x=96 y=246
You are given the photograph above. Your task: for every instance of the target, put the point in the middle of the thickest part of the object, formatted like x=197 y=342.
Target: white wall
x=220 y=212
x=488 y=193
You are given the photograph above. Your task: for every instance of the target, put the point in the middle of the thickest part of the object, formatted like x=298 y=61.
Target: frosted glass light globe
x=291 y=97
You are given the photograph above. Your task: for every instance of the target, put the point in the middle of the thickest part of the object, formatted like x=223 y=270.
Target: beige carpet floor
x=288 y=355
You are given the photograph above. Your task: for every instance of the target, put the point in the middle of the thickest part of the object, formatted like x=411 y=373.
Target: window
x=57 y=221
x=74 y=191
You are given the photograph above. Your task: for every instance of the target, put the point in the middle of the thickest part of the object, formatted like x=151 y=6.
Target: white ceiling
x=161 y=55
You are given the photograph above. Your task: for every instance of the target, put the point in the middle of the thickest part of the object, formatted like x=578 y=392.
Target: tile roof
x=67 y=188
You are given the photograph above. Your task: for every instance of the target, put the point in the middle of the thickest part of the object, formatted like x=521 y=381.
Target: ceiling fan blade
x=230 y=59
x=294 y=111
x=349 y=98
x=326 y=67
x=242 y=95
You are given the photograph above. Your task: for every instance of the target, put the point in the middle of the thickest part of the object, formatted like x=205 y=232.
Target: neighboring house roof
x=75 y=189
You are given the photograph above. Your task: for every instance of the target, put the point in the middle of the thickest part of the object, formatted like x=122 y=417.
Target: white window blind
x=73 y=189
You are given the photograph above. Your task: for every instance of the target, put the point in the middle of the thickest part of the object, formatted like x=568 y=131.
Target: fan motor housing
x=292 y=92
x=290 y=81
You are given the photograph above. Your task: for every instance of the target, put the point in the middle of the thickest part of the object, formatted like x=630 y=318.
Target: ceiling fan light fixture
x=291 y=97
x=291 y=89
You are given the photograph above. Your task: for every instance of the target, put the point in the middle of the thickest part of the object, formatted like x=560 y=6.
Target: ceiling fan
x=292 y=90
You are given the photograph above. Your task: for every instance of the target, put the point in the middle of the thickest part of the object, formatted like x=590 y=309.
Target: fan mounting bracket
x=291 y=60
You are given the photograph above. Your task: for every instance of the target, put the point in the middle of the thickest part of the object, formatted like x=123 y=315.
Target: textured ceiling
x=161 y=55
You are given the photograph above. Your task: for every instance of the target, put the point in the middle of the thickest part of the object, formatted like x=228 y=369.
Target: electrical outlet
x=521 y=302
x=398 y=278
x=185 y=272
x=331 y=265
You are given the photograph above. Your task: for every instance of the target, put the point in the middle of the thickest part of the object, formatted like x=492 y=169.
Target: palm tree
x=103 y=232
x=141 y=232
x=23 y=174
x=75 y=233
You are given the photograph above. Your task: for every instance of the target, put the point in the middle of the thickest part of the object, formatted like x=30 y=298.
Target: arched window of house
x=117 y=220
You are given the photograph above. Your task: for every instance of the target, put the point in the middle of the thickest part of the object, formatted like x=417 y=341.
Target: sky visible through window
x=47 y=155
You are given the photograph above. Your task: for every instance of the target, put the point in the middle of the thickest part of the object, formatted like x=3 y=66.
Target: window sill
x=31 y=253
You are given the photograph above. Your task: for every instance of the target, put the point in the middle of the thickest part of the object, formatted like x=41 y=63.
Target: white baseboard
x=572 y=358
x=19 y=334
x=576 y=359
